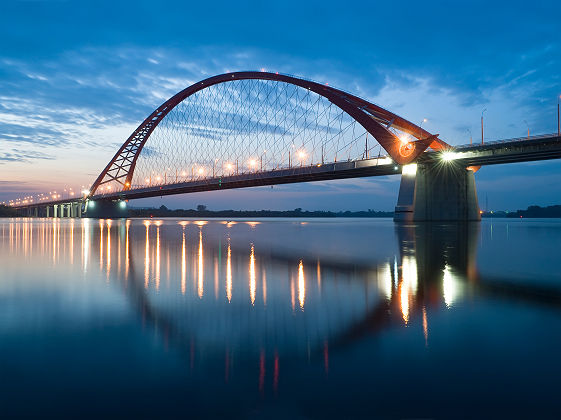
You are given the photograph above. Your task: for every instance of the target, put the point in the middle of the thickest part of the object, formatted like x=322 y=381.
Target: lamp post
x=558 y=127
x=525 y=122
x=482 y=112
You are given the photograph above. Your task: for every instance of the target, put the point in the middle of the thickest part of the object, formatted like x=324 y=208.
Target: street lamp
x=558 y=127
x=301 y=156
x=525 y=122
x=482 y=112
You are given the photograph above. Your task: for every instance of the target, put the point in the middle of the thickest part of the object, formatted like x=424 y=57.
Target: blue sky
x=76 y=77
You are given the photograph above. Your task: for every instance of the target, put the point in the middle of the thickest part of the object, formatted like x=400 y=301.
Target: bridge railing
x=512 y=140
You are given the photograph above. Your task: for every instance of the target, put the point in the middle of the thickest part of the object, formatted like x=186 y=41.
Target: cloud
x=26 y=156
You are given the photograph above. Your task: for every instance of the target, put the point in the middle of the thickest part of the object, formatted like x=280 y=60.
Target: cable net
x=246 y=126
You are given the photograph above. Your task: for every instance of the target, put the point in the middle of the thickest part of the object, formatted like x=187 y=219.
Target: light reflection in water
x=109 y=221
x=101 y=223
x=301 y=285
x=384 y=277
x=404 y=300
x=127 y=262
x=450 y=286
x=229 y=273
x=157 y=280
x=277 y=287
x=425 y=326
x=252 y=276
x=147 y=255
x=200 y=284
x=183 y=264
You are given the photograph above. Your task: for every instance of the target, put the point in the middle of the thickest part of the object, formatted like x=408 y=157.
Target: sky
x=77 y=77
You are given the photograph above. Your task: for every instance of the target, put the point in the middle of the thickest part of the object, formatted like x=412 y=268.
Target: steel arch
x=376 y=120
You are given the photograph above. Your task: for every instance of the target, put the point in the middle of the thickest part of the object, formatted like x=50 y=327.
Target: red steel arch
x=374 y=119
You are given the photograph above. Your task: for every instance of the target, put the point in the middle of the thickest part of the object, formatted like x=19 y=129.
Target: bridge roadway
x=505 y=151
x=523 y=149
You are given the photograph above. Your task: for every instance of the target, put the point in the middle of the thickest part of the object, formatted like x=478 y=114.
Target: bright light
x=85 y=192
x=448 y=156
x=122 y=204
x=201 y=171
x=229 y=166
x=158 y=178
x=91 y=204
x=451 y=286
x=403 y=138
x=252 y=162
x=301 y=154
x=410 y=169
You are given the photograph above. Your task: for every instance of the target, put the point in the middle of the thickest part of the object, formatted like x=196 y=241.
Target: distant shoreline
x=532 y=212
x=296 y=213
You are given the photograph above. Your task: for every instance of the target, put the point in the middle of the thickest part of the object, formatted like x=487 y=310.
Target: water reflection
x=308 y=302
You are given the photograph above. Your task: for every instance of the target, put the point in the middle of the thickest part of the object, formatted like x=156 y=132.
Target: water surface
x=280 y=318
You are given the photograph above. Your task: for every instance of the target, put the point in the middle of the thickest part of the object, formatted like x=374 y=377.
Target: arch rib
x=374 y=119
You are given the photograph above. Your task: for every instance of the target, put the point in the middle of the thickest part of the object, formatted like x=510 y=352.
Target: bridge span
x=248 y=129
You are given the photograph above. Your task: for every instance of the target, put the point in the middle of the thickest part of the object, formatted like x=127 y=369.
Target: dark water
x=280 y=319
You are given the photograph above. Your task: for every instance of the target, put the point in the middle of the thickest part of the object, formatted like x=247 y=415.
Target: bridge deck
x=524 y=149
x=505 y=151
x=320 y=172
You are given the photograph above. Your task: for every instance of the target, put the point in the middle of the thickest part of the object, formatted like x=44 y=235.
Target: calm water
x=280 y=318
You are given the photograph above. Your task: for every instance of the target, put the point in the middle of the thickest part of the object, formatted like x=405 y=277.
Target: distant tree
x=163 y=208
x=298 y=210
x=201 y=207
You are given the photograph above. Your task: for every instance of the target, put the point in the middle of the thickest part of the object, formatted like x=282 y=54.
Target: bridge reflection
x=249 y=294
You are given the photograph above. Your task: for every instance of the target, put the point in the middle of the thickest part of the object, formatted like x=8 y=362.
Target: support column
x=437 y=192
x=55 y=211
x=48 y=208
x=103 y=209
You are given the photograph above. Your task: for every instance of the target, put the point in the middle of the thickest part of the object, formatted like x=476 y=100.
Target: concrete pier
x=106 y=209
x=437 y=192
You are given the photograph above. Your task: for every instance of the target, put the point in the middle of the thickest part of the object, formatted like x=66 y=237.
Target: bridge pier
x=106 y=209
x=442 y=191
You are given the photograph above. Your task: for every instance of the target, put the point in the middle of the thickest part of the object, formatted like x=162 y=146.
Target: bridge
x=248 y=129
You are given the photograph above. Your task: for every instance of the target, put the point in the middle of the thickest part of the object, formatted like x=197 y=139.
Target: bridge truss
x=248 y=123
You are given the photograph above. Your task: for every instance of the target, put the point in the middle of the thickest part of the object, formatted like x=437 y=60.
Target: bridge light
x=122 y=204
x=302 y=154
x=410 y=169
x=147 y=180
x=183 y=173
x=252 y=163
x=91 y=204
x=158 y=178
x=448 y=156
x=201 y=171
x=229 y=166
x=403 y=138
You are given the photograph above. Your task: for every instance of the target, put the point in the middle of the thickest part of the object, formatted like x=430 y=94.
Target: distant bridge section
x=523 y=149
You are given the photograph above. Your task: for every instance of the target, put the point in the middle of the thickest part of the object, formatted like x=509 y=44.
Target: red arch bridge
x=249 y=129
